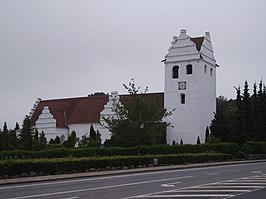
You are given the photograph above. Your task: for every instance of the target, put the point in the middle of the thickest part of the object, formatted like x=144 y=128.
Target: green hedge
x=228 y=148
x=69 y=165
x=254 y=148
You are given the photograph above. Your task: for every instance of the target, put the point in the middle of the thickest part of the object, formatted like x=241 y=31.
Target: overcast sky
x=68 y=48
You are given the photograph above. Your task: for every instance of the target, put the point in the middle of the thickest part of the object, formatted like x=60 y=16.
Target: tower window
x=205 y=69
x=183 y=98
x=211 y=72
x=175 y=72
x=189 y=69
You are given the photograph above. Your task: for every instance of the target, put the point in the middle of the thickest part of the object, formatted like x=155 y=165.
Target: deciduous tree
x=137 y=121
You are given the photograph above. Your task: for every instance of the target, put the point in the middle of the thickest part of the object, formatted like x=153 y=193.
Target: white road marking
x=170 y=184
x=257 y=178
x=228 y=187
x=252 y=180
x=212 y=190
x=185 y=196
x=259 y=171
x=167 y=185
x=97 y=188
x=210 y=174
x=244 y=183
x=74 y=197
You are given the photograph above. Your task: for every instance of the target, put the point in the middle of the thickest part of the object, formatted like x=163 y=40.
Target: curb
x=116 y=172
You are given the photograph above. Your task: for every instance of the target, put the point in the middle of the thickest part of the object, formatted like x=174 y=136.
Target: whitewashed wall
x=82 y=129
x=190 y=120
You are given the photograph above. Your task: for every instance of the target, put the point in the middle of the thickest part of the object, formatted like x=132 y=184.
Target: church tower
x=190 y=87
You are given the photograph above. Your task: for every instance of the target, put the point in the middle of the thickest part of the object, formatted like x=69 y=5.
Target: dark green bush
x=228 y=148
x=69 y=165
x=254 y=148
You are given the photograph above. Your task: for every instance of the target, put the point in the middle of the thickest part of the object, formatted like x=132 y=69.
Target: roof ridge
x=72 y=98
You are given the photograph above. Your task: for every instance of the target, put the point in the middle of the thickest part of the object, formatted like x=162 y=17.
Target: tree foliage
x=25 y=139
x=71 y=140
x=198 y=140
x=137 y=121
x=93 y=140
x=243 y=119
x=39 y=141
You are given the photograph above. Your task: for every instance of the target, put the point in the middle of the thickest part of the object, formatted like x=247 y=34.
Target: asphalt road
x=228 y=181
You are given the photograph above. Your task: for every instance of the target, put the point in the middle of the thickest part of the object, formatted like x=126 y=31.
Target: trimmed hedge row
x=228 y=148
x=69 y=165
x=254 y=148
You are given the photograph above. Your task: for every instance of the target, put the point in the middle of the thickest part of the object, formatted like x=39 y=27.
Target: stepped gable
x=83 y=109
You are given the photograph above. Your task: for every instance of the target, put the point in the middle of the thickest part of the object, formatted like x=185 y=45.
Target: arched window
x=211 y=71
x=189 y=69
x=183 y=98
x=175 y=72
x=205 y=69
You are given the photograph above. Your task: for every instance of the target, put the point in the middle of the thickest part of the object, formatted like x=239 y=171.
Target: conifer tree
x=181 y=142
x=247 y=111
x=218 y=125
x=12 y=139
x=16 y=126
x=35 y=140
x=57 y=140
x=71 y=141
x=262 y=107
x=92 y=133
x=5 y=130
x=256 y=114
x=263 y=111
x=1 y=140
x=98 y=138
x=43 y=139
x=239 y=128
x=26 y=135
x=198 y=140
x=51 y=141
x=5 y=138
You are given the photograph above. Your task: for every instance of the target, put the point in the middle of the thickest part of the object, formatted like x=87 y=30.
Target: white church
x=189 y=90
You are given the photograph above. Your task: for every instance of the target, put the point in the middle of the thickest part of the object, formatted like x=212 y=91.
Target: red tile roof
x=82 y=109
x=198 y=41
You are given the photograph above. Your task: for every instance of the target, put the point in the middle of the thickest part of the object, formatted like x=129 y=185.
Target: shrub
x=228 y=148
x=69 y=165
x=254 y=148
